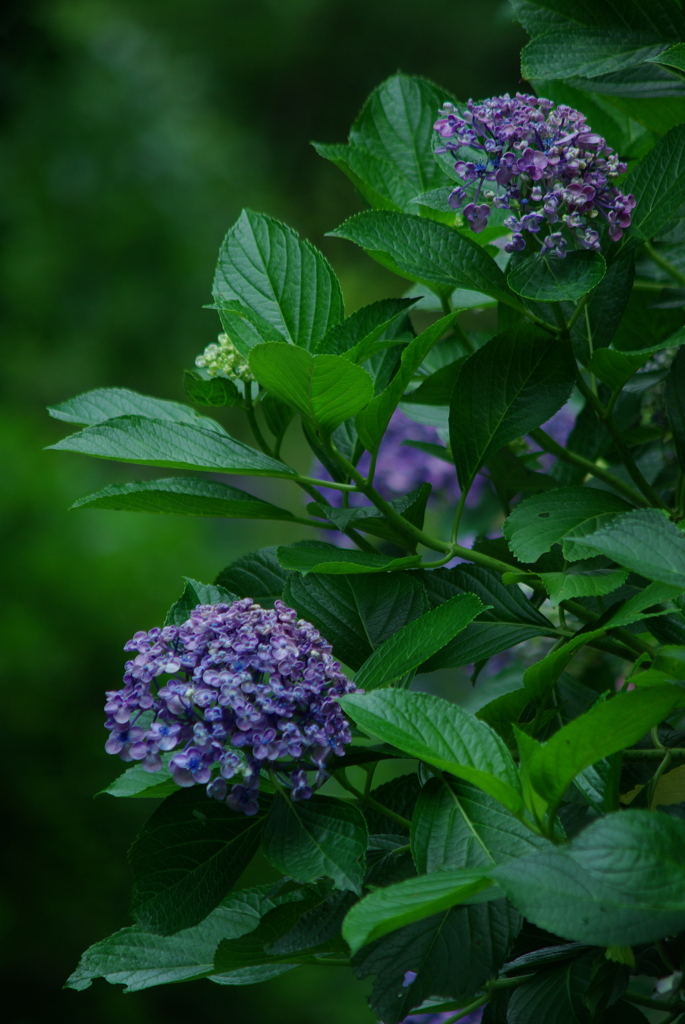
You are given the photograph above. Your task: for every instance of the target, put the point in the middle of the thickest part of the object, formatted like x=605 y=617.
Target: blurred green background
x=132 y=132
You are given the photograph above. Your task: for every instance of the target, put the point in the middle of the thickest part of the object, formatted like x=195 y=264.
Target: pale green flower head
x=224 y=359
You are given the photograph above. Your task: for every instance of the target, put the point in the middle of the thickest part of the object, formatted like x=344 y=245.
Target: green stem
x=559 y=317
x=372 y=468
x=676 y=754
x=475 y=1005
x=500 y=983
x=654 y=781
x=332 y=485
x=591 y=350
x=665 y=264
x=652 y=286
x=341 y=778
x=458 y=514
x=548 y=444
x=254 y=426
x=492 y=986
x=385 y=507
x=370 y=772
x=626 y=455
x=577 y=311
x=653 y=1004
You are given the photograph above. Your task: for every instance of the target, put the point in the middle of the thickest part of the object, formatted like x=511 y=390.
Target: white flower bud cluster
x=224 y=359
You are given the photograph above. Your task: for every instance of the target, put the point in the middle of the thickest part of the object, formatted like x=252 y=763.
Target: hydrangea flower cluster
x=545 y=164
x=248 y=687
x=224 y=360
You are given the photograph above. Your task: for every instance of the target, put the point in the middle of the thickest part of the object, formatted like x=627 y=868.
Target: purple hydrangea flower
x=545 y=164
x=250 y=687
x=401 y=468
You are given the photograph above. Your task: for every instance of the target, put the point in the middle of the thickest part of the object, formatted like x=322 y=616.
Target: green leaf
x=661 y=17
x=599 y=784
x=581 y=582
x=322 y=836
x=553 y=279
x=318 y=925
x=186 y=858
x=674 y=57
x=644 y=541
x=605 y=308
x=620 y=882
x=372 y=422
x=437 y=389
x=540 y=677
x=184 y=496
x=257 y=575
x=511 y=476
x=507 y=388
x=368 y=519
x=140 y=960
x=604 y=730
x=544 y=519
x=385 y=910
x=284 y=279
x=441 y=734
x=325 y=389
x=504 y=712
x=195 y=593
x=216 y=392
x=378 y=180
x=553 y=995
x=634 y=609
x=177 y=445
x=456 y=825
x=257 y=948
x=675 y=406
x=357 y=335
x=586 y=52
x=356 y=613
x=452 y=954
x=417 y=641
x=658 y=184
x=655 y=101
x=110 y=403
x=615 y=368
x=317 y=556
x=136 y=781
x=507 y=619
x=396 y=125
x=244 y=327
x=425 y=251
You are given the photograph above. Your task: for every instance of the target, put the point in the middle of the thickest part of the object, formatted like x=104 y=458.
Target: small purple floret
x=545 y=163
x=250 y=687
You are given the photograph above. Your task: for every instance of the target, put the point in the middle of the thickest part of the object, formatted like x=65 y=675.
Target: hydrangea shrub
x=496 y=489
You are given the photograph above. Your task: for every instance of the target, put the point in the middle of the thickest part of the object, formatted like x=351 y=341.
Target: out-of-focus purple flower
x=400 y=468
x=546 y=165
x=250 y=687
x=559 y=428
